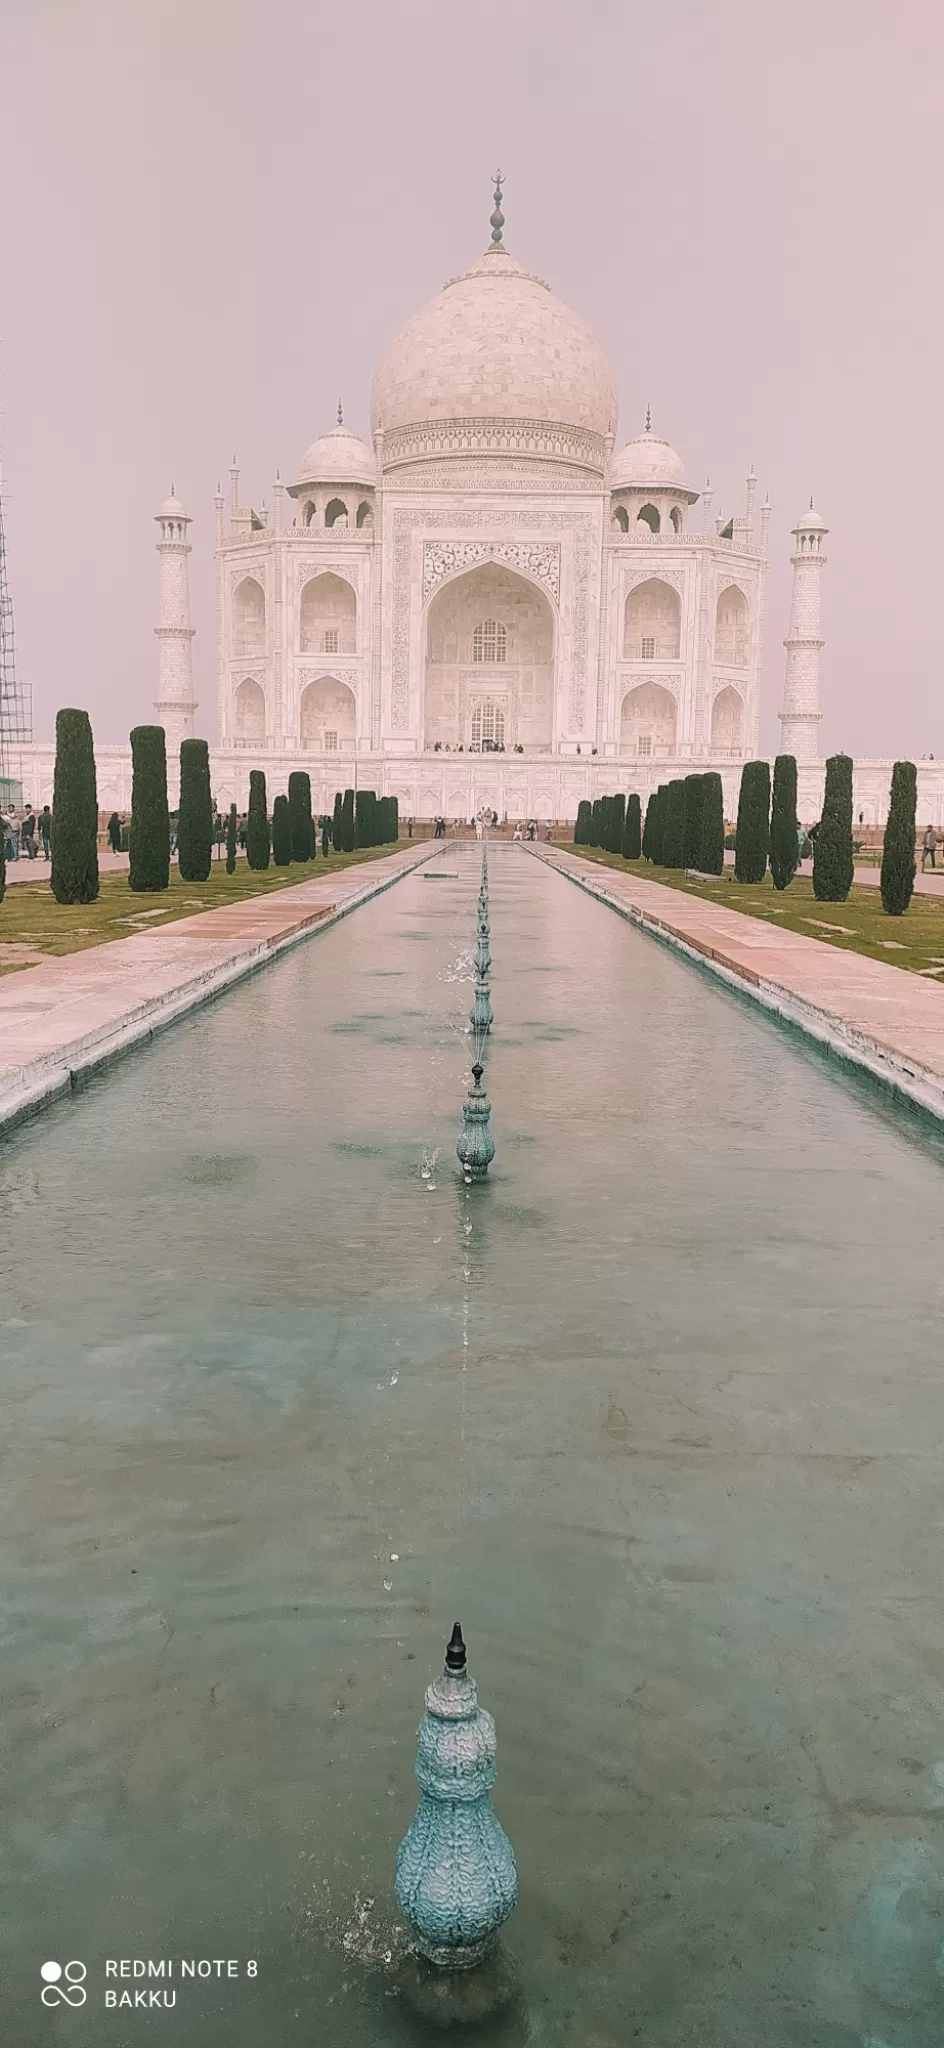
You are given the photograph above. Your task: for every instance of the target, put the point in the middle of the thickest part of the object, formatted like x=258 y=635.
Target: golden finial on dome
x=498 y=219
x=648 y=419
x=340 y=414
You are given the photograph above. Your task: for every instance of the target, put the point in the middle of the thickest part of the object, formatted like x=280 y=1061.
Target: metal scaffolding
x=16 y=699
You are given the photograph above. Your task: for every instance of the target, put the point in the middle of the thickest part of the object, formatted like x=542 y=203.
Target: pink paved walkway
x=65 y=1017
x=887 y=1020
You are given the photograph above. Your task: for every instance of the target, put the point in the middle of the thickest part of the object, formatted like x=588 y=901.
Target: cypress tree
x=257 y=831
x=833 y=863
x=299 y=806
x=582 y=826
x=596 y=823
x=195 y=831
x=3 y=865
x=281 y=832
x=898 y=847
x=691 y=828
x=753 y=822
x=711 y=848
x=617 y=824
x=75 y=811
x=784 y=826
x=395 y=820
x=673 y=835
x=337 y=826
x=149 y=839
x=231 y=841
x=658 y=824
x=647 y=830
x=325 y=837
x=348 y=838
x=365 y=821
x=631 y=847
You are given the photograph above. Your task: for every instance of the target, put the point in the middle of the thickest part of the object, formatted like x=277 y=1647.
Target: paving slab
x=64 y=1018
x=874 y=1015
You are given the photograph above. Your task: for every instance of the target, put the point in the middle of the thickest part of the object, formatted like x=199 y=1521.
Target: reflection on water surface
x=682 y=1484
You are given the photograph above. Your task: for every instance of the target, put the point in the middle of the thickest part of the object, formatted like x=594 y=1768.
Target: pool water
x=657 y=1413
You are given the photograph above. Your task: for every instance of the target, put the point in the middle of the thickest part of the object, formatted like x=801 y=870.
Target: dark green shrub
x=784 y=824
x=395 y=820
x=149 y=837
x=74 y=811
x=691 y=827
x=651 y=809
x=753 y=822
x=583 y=826
x=616 y=824
x=898 y=846
x=658 y=824
x=711 y=848
x=833 y=865
x=257 y=828
x=348 y=838
x=673 y=835
x=231 y=829
x=337 y=823
x=281 y=832
x=730 y=842
x=195 y=831
x=596 y=823
x=299 y=810
x=365 y=821
x=325 y=837
x=632 y=842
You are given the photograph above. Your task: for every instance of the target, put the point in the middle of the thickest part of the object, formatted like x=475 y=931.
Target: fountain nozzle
x=455 y=1651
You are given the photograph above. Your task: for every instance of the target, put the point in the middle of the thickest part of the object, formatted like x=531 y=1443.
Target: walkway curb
x=32 y=1086
x=920 y=1087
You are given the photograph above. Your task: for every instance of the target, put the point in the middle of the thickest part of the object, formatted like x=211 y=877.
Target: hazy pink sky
x=218 y=211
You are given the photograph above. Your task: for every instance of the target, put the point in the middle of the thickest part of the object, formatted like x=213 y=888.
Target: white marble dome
x=811 y=522
x=496 y=345
x=337 y=458
x=649 y=462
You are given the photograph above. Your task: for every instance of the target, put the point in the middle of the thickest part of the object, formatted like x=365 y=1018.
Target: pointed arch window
x=488 y=726
x=490 y=642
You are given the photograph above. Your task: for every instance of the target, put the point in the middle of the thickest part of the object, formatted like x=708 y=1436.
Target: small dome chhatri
x=338 y=457
x=172 y=507
x=650 y=463
x=810 y=522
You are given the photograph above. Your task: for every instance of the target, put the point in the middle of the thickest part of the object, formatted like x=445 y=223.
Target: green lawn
x=33 y=923
x=914 y=941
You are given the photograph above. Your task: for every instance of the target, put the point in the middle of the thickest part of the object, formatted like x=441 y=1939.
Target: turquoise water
x=682 y=1485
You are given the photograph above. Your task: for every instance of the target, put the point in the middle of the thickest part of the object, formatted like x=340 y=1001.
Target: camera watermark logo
x=63 y=1984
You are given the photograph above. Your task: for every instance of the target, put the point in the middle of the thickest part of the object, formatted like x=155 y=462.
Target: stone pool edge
x=59 y=1073
x=920 y=1088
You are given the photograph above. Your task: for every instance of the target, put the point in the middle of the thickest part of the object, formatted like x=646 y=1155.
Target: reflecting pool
x=657 y=1413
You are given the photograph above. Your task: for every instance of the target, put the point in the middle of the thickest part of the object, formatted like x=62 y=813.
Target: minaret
x=800 y=716
x=174 y=704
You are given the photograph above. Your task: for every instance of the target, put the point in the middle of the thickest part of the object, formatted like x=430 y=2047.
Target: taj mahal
x=497 y=602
